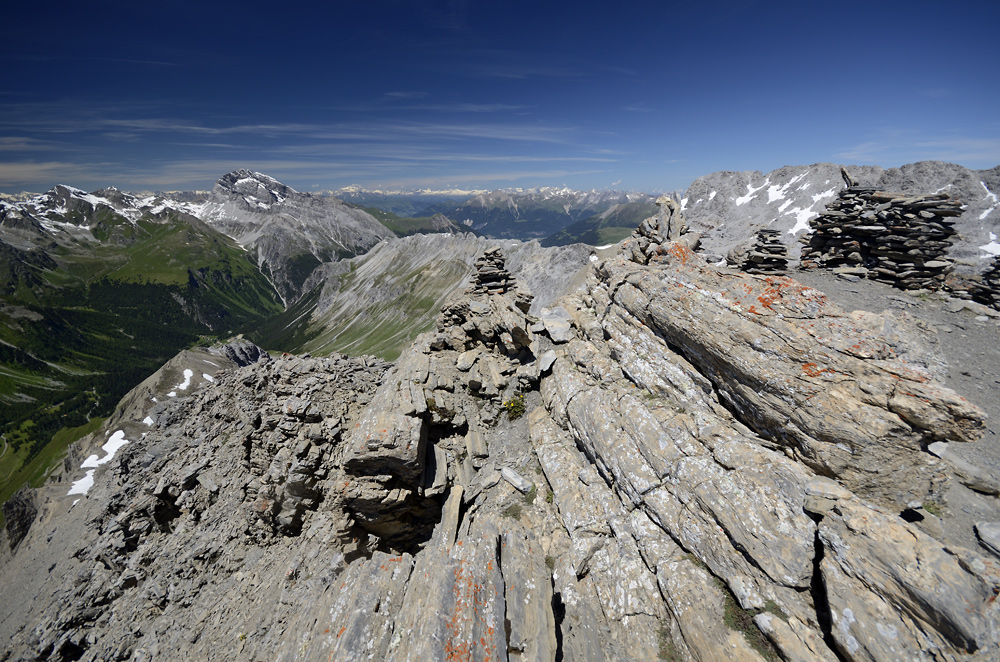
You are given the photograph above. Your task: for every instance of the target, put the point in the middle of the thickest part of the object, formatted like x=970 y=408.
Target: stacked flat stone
x=890 y=237
x=767 y=255
x=985 y=288
x=491 y=275
x=652 y=235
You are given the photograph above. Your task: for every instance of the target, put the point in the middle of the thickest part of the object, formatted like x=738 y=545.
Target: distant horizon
x=455 y=190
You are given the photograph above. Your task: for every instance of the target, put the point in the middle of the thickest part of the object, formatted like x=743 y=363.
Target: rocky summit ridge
x=727 y=208
x=290 y=233
x=675 y=462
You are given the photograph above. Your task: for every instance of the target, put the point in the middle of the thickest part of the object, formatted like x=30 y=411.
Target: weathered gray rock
x=558 y=324
x=316 y=508
x=989 y=535
x=519 y=482
x=822 y=494
x=896 y=594
x=770 y=346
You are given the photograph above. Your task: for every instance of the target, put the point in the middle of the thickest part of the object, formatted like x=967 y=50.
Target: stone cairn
x=889 y=237
x=767 y=255
x=984 y=288
x=491 y=277
x=649 y=239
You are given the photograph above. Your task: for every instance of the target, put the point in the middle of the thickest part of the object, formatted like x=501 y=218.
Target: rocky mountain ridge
x=676 y=462
x=290 y=233
x=728 y=207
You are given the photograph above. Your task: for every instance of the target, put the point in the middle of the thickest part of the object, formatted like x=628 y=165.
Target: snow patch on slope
x=111 y=447
x=992 y=198
x=188 y=374
x=992 y=248
x=751 y=193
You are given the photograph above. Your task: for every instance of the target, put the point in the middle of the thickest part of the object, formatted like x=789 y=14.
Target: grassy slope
x=84 y=333
x=17 y=468
x=382 y=305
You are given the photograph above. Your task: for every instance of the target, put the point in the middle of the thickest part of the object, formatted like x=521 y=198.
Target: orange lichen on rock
x=680 y=252
x=813 y=370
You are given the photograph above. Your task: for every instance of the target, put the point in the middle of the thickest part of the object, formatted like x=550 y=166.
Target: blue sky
x=482 y=94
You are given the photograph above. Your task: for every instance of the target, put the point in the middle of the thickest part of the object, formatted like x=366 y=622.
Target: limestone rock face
x=689 y=465
x=802 y=373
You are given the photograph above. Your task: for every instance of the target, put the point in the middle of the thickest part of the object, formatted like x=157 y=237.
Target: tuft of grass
x=550 y=563
x=529 y=498
x=698 y=562
x=934 y=508
x=740 y=620
x=515 y=407
x=513 y=511
x=771 y=607
x=549 y=496
x=667 y=647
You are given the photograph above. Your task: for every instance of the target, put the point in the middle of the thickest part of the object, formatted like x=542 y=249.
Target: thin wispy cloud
x=26 y=174
x=975 y=152
x=405 y=95
x=390 y=105
x=24 y=144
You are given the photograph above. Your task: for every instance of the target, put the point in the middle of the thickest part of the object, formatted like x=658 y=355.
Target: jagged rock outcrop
x=689 y=465
x=654 y=233
x=986 y=287
x=891 y=237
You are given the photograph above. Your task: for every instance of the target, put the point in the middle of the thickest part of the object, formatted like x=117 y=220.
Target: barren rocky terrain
x=676 y=461
x=963 y=342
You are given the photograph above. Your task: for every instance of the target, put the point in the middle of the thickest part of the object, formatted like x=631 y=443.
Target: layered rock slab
x=802 y=373
x=287 y=512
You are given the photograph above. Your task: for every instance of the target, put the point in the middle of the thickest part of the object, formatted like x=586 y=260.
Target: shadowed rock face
x=19 y=513
x=664 y=455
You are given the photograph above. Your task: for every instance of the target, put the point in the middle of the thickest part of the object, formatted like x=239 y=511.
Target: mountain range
x=97 y=291
x=86 y=275
x=535 y=213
